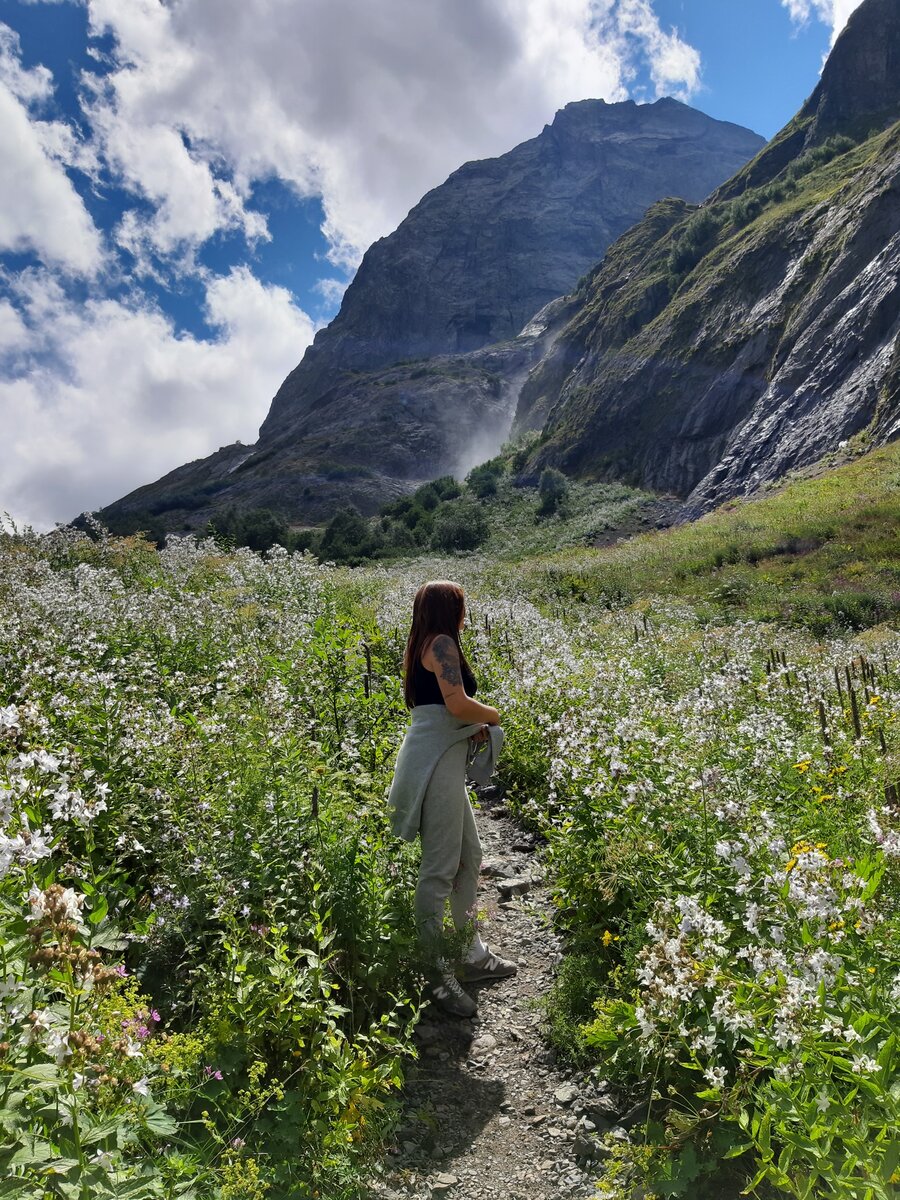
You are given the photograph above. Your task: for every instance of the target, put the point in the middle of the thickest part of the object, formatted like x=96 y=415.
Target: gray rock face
x=504 y=236
x=833 y=377
x=782 y=341
x=454 y=289
x=372 y=437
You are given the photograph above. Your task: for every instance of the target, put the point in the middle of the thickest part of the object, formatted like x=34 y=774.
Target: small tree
x=257 y=528
x=225 y=527
x=553 y=487
x=262 y=528
x=482 y=480
x=459 y=525
x=446 y=487
x=347 y=537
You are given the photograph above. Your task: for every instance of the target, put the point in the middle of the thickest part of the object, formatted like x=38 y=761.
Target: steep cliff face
x=372 y=436
x=715 y=349
x=479 y=255
x=451 y=290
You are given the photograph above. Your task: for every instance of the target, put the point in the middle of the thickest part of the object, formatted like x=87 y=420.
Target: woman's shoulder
x=439 y=649
x=443 y=658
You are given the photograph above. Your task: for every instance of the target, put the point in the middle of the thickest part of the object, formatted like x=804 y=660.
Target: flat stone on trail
x=495 y=868
x=442 y=1183
x=565 y=1094
x=518 y=885
x=483 y=1044
x=525 y=843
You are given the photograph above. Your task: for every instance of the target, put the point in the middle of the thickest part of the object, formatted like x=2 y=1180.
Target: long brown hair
x=438 y=608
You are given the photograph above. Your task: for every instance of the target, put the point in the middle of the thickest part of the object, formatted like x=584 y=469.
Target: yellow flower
x=608 y=937
x=790 y=866
x=874 y=699
x=801 y=766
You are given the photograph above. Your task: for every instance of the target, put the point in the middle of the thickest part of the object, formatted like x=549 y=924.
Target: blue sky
x=189 y=187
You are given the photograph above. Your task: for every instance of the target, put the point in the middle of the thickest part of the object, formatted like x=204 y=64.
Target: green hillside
x=822 y=552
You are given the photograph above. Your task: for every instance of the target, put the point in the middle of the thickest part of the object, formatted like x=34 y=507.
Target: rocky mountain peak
x=502 y=237
x=858 y=93
x=418 y=375
x=714 y=350
x=860 y=84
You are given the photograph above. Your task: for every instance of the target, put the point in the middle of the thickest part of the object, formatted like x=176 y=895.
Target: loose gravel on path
x=487 y=1111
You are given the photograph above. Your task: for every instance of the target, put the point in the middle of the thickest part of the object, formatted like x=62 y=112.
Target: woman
x=428 y=795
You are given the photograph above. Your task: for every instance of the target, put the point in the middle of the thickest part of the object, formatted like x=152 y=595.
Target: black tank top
x=427 y=690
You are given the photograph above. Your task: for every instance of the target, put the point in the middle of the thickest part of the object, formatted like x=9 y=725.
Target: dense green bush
x=257 y=528
x=553 y=487
x=459 y=525
x=482 y=480
x=348 y=538
x=694 y=241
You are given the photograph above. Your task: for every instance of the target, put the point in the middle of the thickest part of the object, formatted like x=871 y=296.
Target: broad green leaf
x=160 y=1122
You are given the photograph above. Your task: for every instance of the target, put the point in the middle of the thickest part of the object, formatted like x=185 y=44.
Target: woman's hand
x=481 y=736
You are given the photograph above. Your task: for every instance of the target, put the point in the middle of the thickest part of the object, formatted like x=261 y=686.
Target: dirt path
x=487 y=1111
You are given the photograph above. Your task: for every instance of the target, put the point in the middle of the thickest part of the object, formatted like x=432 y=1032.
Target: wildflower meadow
x=210 y=975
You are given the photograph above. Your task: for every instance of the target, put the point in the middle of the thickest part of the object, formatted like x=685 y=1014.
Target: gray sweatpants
x=451 y=851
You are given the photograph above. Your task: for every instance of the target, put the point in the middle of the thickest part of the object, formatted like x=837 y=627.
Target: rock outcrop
x=419 y=372
x=479 y=255
x=717 y=348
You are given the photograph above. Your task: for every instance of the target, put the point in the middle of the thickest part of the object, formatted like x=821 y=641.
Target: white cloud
x=113 y=398
x=367 y=105
x=40 y=210
x=674 y=65
x=13 y=331
x=834 y=13
x=331 y=290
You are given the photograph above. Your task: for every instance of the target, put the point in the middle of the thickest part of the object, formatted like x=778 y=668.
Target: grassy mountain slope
x=823 y=552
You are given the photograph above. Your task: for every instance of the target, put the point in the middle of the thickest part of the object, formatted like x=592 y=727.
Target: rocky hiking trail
x=487 y=1110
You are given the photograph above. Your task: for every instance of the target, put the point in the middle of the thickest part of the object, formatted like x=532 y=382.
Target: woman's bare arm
x=442 y=657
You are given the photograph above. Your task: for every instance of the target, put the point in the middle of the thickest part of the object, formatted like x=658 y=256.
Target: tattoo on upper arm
x=447 y=656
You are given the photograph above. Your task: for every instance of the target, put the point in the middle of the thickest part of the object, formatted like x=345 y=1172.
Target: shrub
x=459 y=525
x=446 y=487
x=553 y=487
x=262 y=528
x=427 y=497
x=694 y=241
x=348 y=538
x=257 y=528
x=482 y=480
